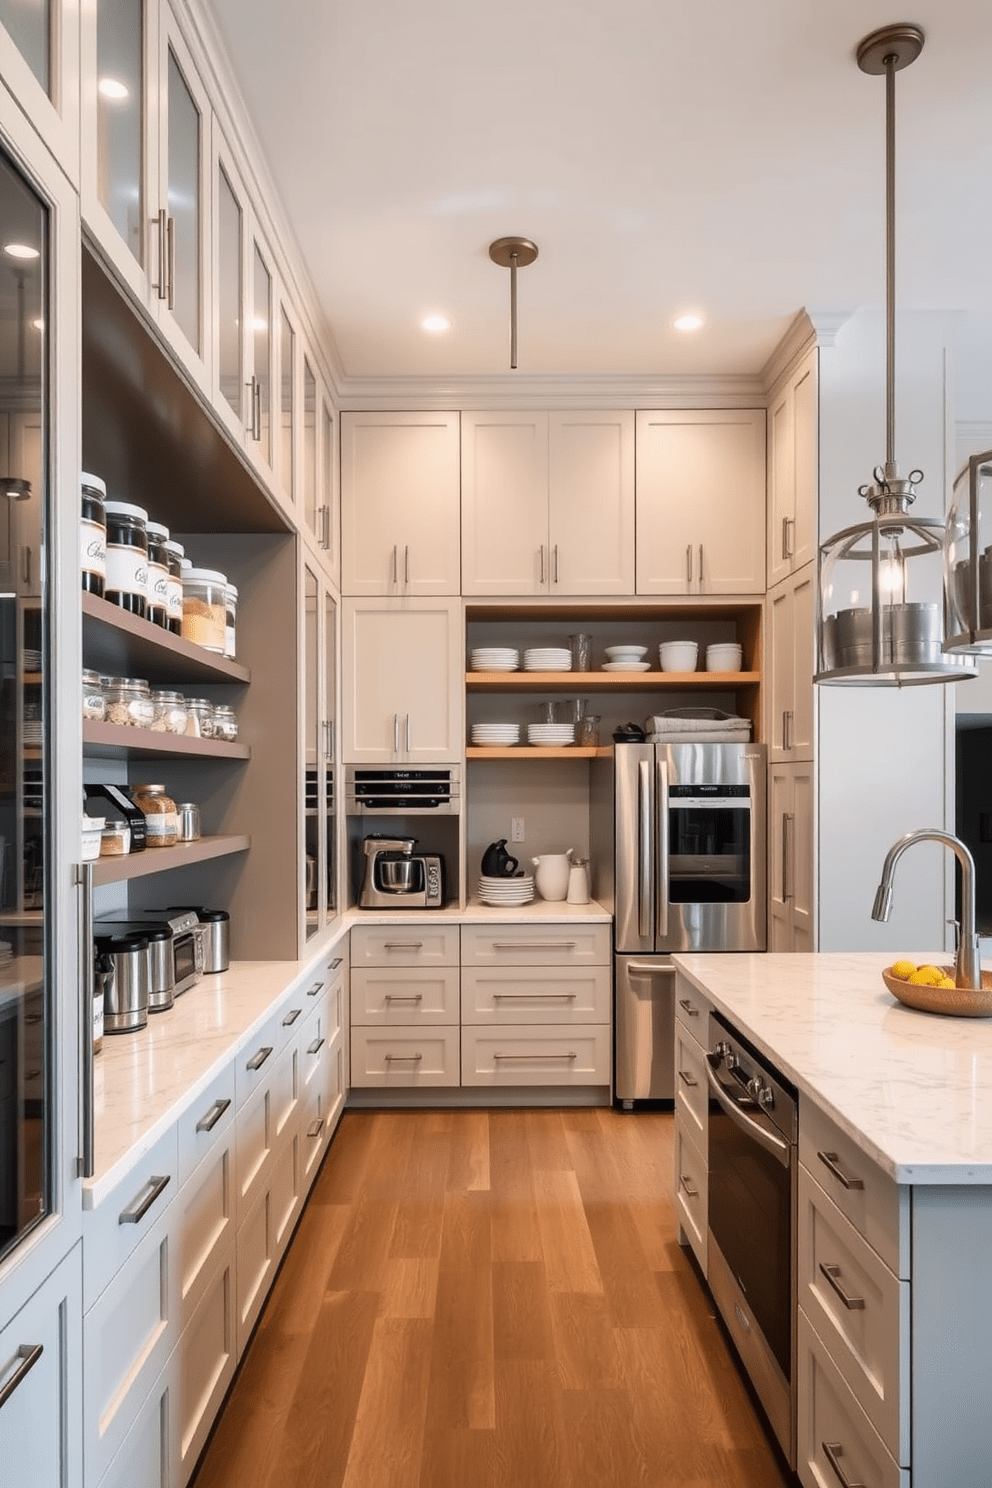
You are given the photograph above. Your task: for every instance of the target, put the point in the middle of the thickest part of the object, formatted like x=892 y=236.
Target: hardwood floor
x=490 y=1299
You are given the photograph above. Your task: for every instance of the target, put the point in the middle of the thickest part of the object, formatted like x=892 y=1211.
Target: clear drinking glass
x=581 y=649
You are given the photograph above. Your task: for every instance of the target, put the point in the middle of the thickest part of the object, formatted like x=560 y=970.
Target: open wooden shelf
x=125 y=645
x=159 y=859
x=607 y=681
x=118 y=741
x=532 y=752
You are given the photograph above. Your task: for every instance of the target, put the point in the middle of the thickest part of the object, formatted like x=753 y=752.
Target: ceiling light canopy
x=513 y=253
x=20 y=250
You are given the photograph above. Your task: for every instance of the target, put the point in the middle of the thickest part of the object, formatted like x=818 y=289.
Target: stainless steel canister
x=188 y=813
x=216 y=927
x=125 y=993
x=161 y=968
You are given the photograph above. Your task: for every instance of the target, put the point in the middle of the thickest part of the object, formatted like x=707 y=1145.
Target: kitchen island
x=894 y=1222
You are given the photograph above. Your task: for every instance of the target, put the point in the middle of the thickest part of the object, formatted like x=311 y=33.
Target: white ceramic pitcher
x=551 y=872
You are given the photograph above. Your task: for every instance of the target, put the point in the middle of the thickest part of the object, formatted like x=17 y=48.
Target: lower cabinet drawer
x=421 y=944
x=257 y=1259
x=837 y=1443
x=405 y=1057
x=122 y=1219
x=321 y=1104
x=860 y=1310
x=261 y=1123
x=205 y=1225
x=873 y=1202
x=691 y=1189
x=41 y=1367
x=527 y=1054
x=207 y=1121
x=203 y=1367
x=390 y=996
x=528 y=994
x=285 y=1190
x=552 y=944
x=691 y=1089
x=146 y=1455
x=691 y=1008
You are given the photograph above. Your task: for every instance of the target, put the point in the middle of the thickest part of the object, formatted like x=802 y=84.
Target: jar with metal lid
x=205 y=608
x=174 y=555
x=201 y=718
x=94 y=702
x=159 y=811
x=129 y=701
x=126 y=583
x=171 y=713
x=158 y=574
x=231 y=621
x=225 y=723
x=93 y=533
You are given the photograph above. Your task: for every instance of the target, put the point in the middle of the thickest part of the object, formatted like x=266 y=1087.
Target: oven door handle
x=779 y=1149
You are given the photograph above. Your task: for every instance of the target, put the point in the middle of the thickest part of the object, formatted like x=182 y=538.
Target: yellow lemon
x=919 y=978
x=946 y=982
x=933 y=976
x=903 y=970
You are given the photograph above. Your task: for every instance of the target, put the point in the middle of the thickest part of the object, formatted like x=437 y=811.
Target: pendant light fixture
x=879 y=596
x=513 y=254
x=967 y=563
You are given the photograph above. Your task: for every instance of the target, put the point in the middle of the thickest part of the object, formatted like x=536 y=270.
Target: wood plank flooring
x=490 y=1299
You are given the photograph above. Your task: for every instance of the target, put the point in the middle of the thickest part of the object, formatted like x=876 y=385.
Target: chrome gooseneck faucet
x=967 y=963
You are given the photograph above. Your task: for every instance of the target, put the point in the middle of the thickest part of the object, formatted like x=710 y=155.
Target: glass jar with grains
x=205 y=608
x=225 y=723
x=159 y=811
x=158 y=574
x=94 y=702
x=201 y=718
x=171 y=713
x=129 y=701
x=93 y=533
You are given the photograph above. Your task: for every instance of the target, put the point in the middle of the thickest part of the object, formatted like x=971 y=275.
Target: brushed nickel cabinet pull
x=257 y=1060
x=406 y=565
x=317 y=1128
x=787 y=524
x=831 y=1161
x=833 y=1451
x=29 y=1354
x=313 y=991
x=139 y=1206
x=161 y=287
x=395 y=569
x=316 y=1046
x=541 y=551
x=396 y=733
x=86 y=1160
x=687 y=1079
x=209 y=1121
x=527 y=996
x=404 y=997
x=335 y=963
x=291 y=1017
x=403 y=945
x=409 y=742
x=833 y=1274
x=685 y=1003
x=170 y=255
x=556 y=563
x=534 y=945
x=564 y=1054
x=686 y=1184
x=700 y=565
x=688 y=563
x=394 y=1057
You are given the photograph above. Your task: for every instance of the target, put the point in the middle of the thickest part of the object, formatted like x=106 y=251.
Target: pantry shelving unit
x=116 y=741
x=160 y=859
x=122 y=644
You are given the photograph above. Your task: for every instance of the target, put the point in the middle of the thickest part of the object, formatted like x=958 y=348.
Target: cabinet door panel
x=39 y=1422
x=803 y=866
x=591 y=503
x=403 y=682
x=207 y=1355
x=505 y=547
x=782 y=650
x=781 y=485
x=806 y=428
x=536 y=1055
x=691 y=1192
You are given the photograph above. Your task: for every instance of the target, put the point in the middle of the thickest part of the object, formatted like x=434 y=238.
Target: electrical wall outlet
x=517 y=829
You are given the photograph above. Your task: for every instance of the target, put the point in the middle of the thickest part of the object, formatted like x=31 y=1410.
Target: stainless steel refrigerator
x=679 y=845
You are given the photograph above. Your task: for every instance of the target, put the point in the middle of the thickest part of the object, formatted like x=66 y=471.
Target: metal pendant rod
x=513 y=253
x=890 y=265
x=513 y=310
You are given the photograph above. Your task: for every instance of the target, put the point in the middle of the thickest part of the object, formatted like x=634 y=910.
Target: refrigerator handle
x=663 y=849
x=645 y=836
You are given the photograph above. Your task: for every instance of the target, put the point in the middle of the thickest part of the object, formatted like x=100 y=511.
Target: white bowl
x=618 y=653
x=678 y=656
x=724 y=656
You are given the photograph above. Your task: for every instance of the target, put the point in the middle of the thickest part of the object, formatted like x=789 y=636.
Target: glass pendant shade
x=968 y=560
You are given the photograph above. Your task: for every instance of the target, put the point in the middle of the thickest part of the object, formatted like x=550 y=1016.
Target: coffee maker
x=398 y=878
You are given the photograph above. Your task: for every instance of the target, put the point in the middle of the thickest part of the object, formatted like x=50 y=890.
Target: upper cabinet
x=548 y=503
x=403 y=672
x=701 y=502
x=792 y=473
x=399 y=503
x=39 y=62
x=146 y=167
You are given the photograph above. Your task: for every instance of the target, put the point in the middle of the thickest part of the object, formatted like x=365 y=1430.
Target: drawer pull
x=402 y=1056
x=335 y=963
x=688 y=1079
x=29 y=1354
x=534 y=945
x=833 y=1273
x=684 y=1182
x=832 y=1451
x=742 y=1317
x=291 y=1017
x=317 y=987
x=527 y=996
x=257 y=1060
x=403 y=997
x=316 y=1046
x=831 y=1161
x=317 y=1128
x=139 y=1207
x=563 y=1055
x=403 y=945
x=685 y=1003
x=208 y=1122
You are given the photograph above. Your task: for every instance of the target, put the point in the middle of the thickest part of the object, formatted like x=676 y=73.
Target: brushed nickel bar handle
x=209 y=1121
x=315 y=989
x=170 y=254
x=257 y=1060
x=396 y=729
x=831 y=1161
x=688 y=563
x=832 y=1274
x=414 y=1057
x=316 y=1046
x=409 y=743
x=787 y=522
x=395 y=568
x=688 y=1079
x=291 y=1017
x=684 y=1182
x=399 y=945
x=162 y=285
x=139 y=1207
x=406 y=565
x=684 y=1002
x=534 y=945
x=785 y=857
x=790 y=857
x=541 y=550
x=499 y=996
x=86 y=1161
x=317 y=1128
x=556 y=563
x=569 y=1054
x=29 y=1354
x=403 y=997
x=335 y=963
x=700 y=565
x=832 y=1451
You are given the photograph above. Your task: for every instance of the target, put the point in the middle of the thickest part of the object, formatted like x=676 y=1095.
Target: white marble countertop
x=914 y=1090
x=539 y=911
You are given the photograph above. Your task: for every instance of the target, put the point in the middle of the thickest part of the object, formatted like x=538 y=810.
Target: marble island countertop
x=914 y=1090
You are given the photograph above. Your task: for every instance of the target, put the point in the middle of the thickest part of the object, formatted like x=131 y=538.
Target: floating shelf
x=159 y=859
x=118 y=741
x=123 y=644
x=607 y=681
x=532 y=752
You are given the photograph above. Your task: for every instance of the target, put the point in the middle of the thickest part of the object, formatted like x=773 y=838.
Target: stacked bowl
x=495 y=659
x=506 y=893
x=678 y=656
x=548 y=659
x=626 y=659
x=493 y=735
x=550 y=735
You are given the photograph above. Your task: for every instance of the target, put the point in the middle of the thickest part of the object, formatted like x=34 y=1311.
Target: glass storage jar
x=129 y=701
x=159 y=811
x=94 y=702
x=158 y=574
x=205 y=608
x=174 y=556
x=201 y=718
x=231 y=621
x=93 y=533
x=126 y=583
x=225 y=723
x=171 y=713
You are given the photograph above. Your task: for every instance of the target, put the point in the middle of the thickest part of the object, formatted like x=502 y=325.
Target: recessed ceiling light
x=688 y=322
x=39 y=324
x=435 y=323
x=258 y=323
x=20 y=250
x=113 y=88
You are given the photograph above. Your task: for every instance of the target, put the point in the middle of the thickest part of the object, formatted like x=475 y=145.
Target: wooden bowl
x=956 y=1002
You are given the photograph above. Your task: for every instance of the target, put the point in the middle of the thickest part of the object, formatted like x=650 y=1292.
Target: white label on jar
x=174 y=598
x=97 y=1016
x=229 y=642
x=92 y=547
x=127 y=570
x=158 y=586
x=161 y=824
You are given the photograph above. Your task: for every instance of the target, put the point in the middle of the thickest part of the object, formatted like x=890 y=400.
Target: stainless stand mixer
x=398 y=878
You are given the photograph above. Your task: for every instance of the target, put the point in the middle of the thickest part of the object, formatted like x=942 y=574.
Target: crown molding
x=539 y=391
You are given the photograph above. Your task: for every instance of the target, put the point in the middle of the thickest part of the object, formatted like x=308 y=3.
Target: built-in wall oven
x=753 y=1135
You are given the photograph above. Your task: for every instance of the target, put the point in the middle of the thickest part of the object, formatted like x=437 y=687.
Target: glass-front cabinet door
x=310 y=447
x=39 y=61
x=230 y=287
x=287 y=407
x=330 y=734
x=312 y=755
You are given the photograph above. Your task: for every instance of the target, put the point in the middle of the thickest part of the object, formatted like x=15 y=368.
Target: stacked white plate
x=626 y=666
x=550 y=735
x=626 y=659
x=495 y=659
x=504 y=893
x=32 y=660
x=548 y=659
x=495 y=733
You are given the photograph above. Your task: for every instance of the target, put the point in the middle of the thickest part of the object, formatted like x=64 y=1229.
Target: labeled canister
x=126 y=583
x=92 y=533
x=158 y=574
x=174 y=557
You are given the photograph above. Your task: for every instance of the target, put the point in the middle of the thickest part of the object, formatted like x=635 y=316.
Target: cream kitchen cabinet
x=700 y=502
x=41 y=1381
x=791 y=904
x=790 y=718
x=792 y=472
x=404 y=1006
x=400 y=503
x=691 y=1119
x=39 y=63
x=547 y=503
x=403 y=671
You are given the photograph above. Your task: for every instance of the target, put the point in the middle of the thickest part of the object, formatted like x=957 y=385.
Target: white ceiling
x=719 y=155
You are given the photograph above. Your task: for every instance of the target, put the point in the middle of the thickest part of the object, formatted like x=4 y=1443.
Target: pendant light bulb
x=513 y=253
